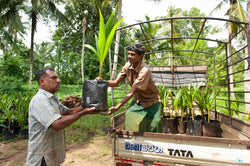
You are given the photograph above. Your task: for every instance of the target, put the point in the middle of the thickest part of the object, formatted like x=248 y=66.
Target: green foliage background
x=64 y=52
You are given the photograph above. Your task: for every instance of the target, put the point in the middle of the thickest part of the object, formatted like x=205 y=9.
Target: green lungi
x=142 y=119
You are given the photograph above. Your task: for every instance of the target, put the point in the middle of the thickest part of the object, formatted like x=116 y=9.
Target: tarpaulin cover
x=94 y=94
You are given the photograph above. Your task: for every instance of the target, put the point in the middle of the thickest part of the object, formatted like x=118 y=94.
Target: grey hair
x=137 y=48
x=41 y=73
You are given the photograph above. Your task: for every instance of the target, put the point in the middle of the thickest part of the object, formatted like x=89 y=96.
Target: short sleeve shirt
x=44 y=141
x=146 y=92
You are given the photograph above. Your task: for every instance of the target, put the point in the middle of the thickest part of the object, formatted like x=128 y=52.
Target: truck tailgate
x=181 y=149
x=233 y=148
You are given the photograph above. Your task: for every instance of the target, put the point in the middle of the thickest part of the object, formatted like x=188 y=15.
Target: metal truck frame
x=162 y=149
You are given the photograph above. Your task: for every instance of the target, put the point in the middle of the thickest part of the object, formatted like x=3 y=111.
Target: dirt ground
x=96 y=152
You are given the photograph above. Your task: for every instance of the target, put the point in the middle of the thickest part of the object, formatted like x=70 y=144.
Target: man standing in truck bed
x=144 y=112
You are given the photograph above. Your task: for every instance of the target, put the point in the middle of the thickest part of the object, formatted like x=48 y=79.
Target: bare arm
x=74 y=110
x=71 y=117
x=111 y=83
x=124 y=100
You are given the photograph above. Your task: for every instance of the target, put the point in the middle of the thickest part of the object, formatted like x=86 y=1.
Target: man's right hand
x=99 y=78
x=91 y=110
x=111 y=111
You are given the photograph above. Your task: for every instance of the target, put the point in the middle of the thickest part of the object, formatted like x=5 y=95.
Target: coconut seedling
x=183 y=103
x=199 y=99
x=163 y=92
x=22 y=109
x=7 y=106
x=165 y=101
x=178 y=102
x=209 y=101
x=105 y=38
x=175 y=103
x=170 y=123
x=189 y=96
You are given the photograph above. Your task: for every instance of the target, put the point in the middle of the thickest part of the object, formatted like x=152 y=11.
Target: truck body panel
x=178 y=149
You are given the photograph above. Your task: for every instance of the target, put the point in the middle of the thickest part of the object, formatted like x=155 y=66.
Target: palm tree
x=117 y=39
x=148 y=31
x=235 y=12
x=10 y=22
x=40 y=8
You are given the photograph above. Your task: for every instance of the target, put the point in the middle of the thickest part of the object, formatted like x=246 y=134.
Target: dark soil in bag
x=212 y=129
x=182 y=126
x=170 y=125
x=23 y=134
x=194 y=127
x=7 y=135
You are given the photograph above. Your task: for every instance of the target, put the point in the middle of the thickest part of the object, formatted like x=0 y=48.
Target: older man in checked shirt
x=47 y=119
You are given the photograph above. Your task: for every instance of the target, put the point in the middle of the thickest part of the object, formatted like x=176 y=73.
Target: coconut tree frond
x=52 y=7
x=10 y=16
x=234 y=28
x=236 y=12
x=240 y=12
x=218 y=7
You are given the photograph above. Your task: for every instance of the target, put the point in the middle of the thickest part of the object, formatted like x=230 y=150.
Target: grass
x=87 y=126
x=104 y=151
x=69 y=90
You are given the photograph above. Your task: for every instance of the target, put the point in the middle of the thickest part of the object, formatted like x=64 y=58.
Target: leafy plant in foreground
x=6 y=104
x=22 y=108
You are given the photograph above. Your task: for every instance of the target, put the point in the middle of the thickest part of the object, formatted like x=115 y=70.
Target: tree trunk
x=230 y=67
x=33 y=27
x=83 y=43
x=247 y=61
x=117 y=41
x=230 y=70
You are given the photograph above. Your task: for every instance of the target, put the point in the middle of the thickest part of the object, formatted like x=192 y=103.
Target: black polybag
x=94 y=94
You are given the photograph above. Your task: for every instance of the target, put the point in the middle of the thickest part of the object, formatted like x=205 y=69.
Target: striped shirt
x=44 y=141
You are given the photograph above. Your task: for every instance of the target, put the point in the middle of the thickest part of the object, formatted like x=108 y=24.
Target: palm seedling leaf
x=102 y=38
x=91 y=48
x=111 y=22
x=110 y=39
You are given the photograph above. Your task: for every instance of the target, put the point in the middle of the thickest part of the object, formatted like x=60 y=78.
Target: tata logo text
x=143 y=148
